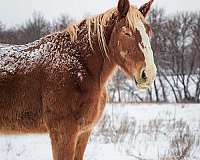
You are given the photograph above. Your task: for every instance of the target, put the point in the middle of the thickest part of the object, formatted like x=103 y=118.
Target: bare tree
x=158 y=20
x=61 y=22
x=196 y=51
x=34 y=28
x=9 y=36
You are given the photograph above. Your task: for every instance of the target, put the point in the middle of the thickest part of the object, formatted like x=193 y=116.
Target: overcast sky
x=17 y=11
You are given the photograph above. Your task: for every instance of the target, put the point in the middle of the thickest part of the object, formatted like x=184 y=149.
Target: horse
x=57 y=85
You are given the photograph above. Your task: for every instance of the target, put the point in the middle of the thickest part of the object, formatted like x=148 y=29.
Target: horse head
x=130 y=44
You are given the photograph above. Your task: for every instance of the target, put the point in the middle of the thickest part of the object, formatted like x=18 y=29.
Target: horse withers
x=56 y=85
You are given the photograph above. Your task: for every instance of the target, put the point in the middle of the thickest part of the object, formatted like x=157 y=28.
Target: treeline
x=176 y=45
x=34 y=28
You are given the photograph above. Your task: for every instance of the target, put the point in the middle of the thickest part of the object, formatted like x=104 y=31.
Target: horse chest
x=88 y=118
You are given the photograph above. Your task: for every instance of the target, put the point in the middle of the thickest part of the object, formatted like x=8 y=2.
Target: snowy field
x=126 y=132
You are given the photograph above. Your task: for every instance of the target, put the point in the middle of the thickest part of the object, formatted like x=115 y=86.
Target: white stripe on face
x=145 y=47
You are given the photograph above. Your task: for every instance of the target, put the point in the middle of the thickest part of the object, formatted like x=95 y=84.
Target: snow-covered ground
x=126 y=132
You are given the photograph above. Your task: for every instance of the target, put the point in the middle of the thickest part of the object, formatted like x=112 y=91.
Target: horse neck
x=100 y=64
x=94 y=62
x=107 y=71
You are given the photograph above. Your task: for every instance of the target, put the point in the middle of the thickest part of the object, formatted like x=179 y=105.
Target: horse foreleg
x=63 y=140
x=81 y=145
x=84 y=137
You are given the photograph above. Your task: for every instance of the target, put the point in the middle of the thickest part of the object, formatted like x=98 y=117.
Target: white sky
x=17 y=11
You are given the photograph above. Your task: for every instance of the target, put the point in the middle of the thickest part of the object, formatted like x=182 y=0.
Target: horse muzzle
x=146 y=78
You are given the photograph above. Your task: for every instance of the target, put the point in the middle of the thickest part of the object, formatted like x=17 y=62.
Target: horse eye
x=128 y=34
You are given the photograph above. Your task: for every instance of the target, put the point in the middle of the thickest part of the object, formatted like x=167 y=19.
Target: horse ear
x=123 y=7
x=146 y=8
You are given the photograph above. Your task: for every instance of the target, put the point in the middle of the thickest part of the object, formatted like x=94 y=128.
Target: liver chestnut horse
x=56 y=85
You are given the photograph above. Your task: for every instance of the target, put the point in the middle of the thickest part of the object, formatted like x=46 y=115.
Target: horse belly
x=21 y=108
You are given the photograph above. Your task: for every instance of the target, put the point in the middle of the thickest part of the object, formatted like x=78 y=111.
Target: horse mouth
x=142 y=85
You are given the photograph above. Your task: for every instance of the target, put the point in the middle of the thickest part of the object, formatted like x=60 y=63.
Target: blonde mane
x=96 y=25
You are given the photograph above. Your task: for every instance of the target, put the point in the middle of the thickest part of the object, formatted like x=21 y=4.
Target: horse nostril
x=144 y=76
